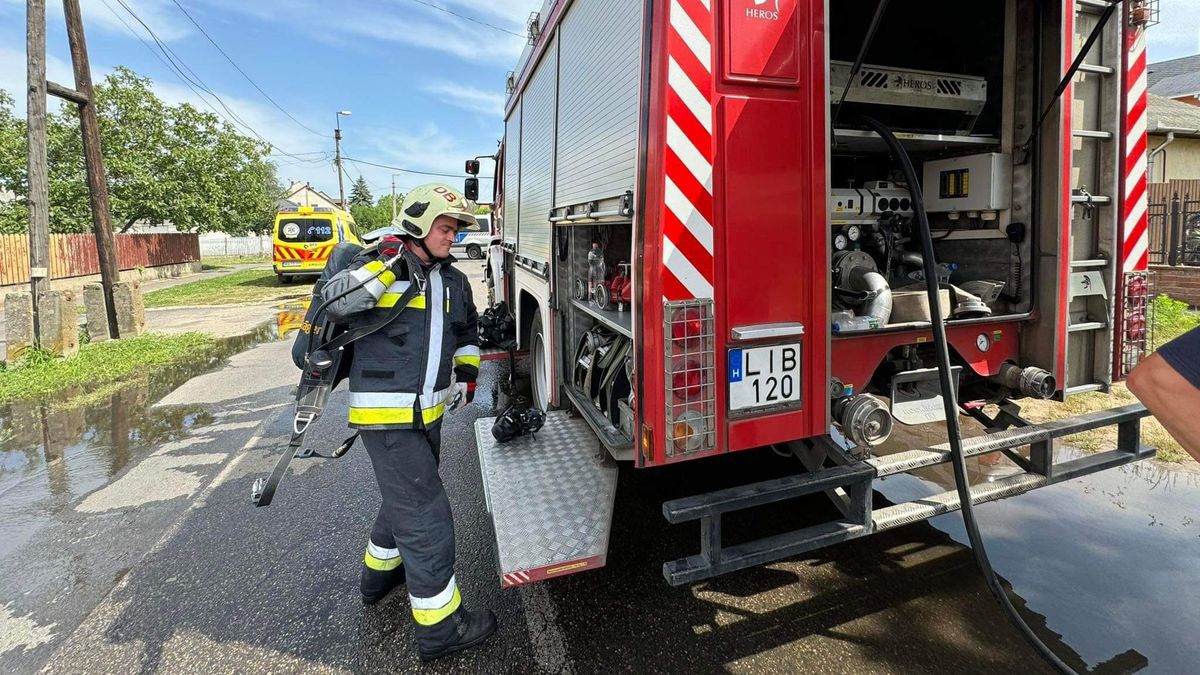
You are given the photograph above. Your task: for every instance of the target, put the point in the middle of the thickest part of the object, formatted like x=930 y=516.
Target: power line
x=174 y=62
x=402 y=169
x=239 y=69
x=467 y=18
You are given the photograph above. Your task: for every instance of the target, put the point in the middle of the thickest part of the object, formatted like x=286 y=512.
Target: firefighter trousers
x=414 y=518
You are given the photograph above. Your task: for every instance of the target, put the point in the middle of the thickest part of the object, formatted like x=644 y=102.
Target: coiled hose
x=953 y=432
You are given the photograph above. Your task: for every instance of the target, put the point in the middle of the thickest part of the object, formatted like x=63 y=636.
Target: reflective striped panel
x=375 y=285
x=467 y=356
x=383 y=416
x=382 y=559
x=381 y=399
x=428 y=611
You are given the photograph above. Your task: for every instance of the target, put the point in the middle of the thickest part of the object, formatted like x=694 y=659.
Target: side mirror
x=471 y=188
x=473 y=167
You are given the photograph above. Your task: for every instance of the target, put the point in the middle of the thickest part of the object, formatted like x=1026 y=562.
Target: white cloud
x=1177 y=34
x=483 y=101
x=167 y=21
x=403 y=22
x=13 y=74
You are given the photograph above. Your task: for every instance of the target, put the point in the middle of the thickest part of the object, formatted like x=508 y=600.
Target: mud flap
x=917 y=395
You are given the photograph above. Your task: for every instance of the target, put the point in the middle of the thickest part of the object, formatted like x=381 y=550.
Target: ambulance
x=304 y=236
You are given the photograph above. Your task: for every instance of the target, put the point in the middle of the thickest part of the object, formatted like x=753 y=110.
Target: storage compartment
x=943 y=76
x=595 y=301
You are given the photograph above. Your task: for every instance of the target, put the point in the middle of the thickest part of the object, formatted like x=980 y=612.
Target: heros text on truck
x=717 y=251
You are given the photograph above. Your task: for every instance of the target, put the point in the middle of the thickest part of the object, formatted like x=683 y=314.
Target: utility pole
x=93 y=158
x=393 y=198
x=337 y=154
x=39 y=187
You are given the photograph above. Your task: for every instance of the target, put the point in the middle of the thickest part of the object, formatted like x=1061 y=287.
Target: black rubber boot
x=461 y=630
x=376 y=584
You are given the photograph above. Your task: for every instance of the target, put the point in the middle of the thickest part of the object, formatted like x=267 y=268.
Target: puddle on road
x=1110 y=559
x=55 y=454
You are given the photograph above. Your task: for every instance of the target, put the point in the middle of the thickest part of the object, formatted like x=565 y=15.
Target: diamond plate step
x=928 y=507
x=550 y=498
x=902 y=462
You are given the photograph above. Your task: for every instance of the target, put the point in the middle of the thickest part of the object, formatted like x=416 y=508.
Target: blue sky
x=425 y=87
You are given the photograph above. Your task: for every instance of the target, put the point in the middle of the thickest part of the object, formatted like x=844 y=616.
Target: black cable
x=467 y=18
x=949 y=400
x=403 y=170
x=858 y=61
x=239 y=69
x=1070 y=75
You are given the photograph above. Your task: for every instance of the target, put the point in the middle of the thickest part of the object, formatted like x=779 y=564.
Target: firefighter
x=403 y=379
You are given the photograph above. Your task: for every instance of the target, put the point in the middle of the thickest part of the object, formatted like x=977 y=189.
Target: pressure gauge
x=840 y=242
x=854 y=232
x=983 y=342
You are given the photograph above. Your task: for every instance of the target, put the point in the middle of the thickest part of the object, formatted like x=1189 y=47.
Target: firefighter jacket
x=400 y=375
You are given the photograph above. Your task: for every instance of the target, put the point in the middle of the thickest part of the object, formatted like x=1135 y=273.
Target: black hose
x=949 y=400
x=387 y=264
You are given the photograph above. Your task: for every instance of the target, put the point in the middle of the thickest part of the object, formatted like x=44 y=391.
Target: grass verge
x=224 y=262
x=99 y=365
x=1172 y=318
x=246 y=286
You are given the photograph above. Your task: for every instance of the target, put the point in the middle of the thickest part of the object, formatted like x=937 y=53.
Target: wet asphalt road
x=205 y=583
x=238 y=589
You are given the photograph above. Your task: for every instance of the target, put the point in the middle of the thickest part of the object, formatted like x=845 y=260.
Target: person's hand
x=461 y=393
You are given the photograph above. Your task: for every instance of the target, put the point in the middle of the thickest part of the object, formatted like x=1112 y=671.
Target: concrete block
x=58 y=322
x=18 y=324
x=96 y=310
x=131 y=310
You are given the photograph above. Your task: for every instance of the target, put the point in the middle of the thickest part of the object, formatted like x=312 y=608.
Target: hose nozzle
x=1031 y=382
x=864 y=420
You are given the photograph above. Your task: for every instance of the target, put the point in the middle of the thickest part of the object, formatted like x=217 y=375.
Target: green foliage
x=483 y=210
x=39 y=374
x=374 y=217
x=1172 y=318
x=360 y=193
x=246 y=286
x=164 y=163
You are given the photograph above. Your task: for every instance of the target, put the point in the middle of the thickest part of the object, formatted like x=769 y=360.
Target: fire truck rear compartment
x=942 y=78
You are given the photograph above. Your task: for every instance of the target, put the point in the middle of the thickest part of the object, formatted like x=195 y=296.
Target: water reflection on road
x=53 y=452
x=1111 y=560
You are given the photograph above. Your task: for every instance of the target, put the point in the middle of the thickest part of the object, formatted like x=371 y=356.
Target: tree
x=360 y=194
x=13 y=215
x=164 y=163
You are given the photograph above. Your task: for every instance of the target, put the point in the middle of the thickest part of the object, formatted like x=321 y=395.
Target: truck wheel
x=540 y=378
x=474 y=252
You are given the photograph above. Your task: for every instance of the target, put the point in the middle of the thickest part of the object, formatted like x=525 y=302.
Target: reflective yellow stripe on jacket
x=378 y=408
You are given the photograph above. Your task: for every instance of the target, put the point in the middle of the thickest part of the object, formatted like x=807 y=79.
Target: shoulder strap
x=417 y=286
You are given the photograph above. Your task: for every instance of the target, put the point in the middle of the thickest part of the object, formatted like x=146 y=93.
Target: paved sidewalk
x=228 y=326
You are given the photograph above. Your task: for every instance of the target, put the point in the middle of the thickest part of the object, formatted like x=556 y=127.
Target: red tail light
x=688 y=325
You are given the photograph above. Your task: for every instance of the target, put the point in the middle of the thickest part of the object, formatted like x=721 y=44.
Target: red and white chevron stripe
x=1136 y=243
x=688 y=181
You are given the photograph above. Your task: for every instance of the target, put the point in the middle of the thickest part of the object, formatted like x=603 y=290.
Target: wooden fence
x=74 y=255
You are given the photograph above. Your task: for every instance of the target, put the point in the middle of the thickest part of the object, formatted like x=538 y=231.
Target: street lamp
x=394 y=205
x=337 y=145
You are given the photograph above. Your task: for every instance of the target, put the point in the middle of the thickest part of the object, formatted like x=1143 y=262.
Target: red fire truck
x=707 y=251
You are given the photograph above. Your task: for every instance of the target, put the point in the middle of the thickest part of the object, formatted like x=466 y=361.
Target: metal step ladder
x=1095 y=162
x=849 y=484
x=550 y=499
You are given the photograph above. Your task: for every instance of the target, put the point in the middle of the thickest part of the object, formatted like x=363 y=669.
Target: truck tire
x=540 y=377
x=474 y=252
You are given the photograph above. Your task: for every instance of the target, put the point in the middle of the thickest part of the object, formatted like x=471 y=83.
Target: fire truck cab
x=708 y=250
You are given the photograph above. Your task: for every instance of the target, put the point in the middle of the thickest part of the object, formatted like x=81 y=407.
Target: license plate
x=291 y=263
x=763 y=377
